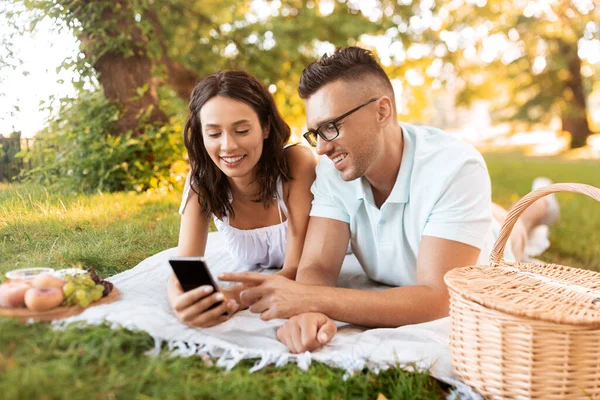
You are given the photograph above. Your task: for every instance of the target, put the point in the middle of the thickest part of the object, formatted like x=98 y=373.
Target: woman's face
x=232 y=135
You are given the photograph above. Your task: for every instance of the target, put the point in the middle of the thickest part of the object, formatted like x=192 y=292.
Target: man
x=413 y=201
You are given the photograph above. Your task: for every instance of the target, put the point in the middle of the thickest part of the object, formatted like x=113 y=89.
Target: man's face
x=358 y=145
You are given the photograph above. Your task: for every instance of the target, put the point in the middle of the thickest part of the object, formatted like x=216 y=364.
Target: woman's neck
x=244 y=189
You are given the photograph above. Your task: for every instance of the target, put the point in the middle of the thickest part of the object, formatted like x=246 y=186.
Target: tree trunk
x=120 y=77
x=574 y=109
x=123 y=76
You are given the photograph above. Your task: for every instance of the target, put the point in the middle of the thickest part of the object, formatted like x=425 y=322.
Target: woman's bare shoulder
x=301 y=160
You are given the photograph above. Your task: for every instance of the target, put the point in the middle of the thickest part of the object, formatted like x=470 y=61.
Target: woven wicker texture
x=523 y=330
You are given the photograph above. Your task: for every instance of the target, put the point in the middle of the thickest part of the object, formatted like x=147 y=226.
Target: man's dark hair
x=346 y=64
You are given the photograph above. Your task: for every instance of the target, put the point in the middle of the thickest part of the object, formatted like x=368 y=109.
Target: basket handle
x=497 y=255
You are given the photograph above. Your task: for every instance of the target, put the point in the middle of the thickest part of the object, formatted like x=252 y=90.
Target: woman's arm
x=193 y=231
x=298 y=199
x=192 y=307
x=193 y=234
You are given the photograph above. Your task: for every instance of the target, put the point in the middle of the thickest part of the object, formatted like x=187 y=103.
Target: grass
x=110 y=231
x=113 y=232
x=576 y=237
x=99 y=363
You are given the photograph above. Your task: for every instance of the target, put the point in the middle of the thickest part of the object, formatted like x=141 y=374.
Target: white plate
x=28 y=273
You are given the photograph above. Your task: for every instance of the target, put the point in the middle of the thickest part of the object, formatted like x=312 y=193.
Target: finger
x=208 y=324
x=191 y=297
x=232 y=306
x=296 y=332
x=260 y=307
x=252 y=295
x=211 y=317
x=326 y=332
x=269 y=314
x=178 y=287
x=309 y=334
x=283 y=334
x=200 y=307
x=247 y=278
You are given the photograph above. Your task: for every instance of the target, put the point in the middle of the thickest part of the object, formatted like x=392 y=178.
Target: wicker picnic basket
x=527 y=331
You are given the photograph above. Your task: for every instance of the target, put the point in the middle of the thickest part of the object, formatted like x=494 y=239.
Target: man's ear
x=385 y=110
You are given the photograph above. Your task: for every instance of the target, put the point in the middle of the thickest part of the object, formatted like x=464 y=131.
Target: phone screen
x=192 y=272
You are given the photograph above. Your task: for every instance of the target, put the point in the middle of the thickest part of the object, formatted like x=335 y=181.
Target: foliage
x=81 y=152
x=525 y=56
x=9 y=160
x=521 y=55
x=183 y=40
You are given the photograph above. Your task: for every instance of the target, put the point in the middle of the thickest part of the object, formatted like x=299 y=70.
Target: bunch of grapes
x=82 y=290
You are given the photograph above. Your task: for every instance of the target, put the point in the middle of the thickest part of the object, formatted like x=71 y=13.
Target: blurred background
x=93 y=94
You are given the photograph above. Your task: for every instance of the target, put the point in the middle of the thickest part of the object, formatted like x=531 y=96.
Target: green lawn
x=113 y=232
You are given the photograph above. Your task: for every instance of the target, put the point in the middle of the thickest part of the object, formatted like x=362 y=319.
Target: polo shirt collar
x=401 y=190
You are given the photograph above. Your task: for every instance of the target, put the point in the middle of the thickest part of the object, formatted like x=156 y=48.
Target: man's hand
x=273 y=296
x=192 y=307
x=306 y=332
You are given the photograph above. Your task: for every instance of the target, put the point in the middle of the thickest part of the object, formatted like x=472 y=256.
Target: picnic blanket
x=143 y=306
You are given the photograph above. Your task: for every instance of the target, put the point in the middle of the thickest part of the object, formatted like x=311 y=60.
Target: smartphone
x=193 y=272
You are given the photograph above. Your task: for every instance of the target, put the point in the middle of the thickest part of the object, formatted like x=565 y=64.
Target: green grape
x=80 y=294
x=84 y=303
x=68 y=288
x=96 y=295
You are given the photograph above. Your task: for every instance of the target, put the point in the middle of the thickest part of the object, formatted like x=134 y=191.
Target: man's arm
x=324 y=251
x=277 y=297
x=426 y=301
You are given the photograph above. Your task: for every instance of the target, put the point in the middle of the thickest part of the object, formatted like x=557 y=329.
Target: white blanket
x=143 y=305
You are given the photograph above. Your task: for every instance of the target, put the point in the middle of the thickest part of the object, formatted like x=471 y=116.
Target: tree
x=135 y=47
x=526 y=55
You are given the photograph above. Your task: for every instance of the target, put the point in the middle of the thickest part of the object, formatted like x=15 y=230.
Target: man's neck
x=382 y=175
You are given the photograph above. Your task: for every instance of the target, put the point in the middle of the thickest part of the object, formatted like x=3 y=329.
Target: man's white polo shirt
x=443 y=189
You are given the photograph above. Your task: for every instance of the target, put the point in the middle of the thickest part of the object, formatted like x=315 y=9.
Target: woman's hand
x=192 y=307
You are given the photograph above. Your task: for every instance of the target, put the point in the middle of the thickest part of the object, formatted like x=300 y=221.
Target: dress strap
x=279 y=209
x=280 y=202
x=186 y=193
x=290 y=145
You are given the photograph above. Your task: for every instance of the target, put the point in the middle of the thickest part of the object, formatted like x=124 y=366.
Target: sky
x=41 y=52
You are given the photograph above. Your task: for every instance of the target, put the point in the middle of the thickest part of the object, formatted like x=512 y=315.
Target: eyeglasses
x=329 y=130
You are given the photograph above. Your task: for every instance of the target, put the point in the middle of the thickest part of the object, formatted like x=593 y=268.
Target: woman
x=257 y=190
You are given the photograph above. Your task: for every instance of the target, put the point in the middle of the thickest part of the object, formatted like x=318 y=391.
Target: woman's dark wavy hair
x=207 y=180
